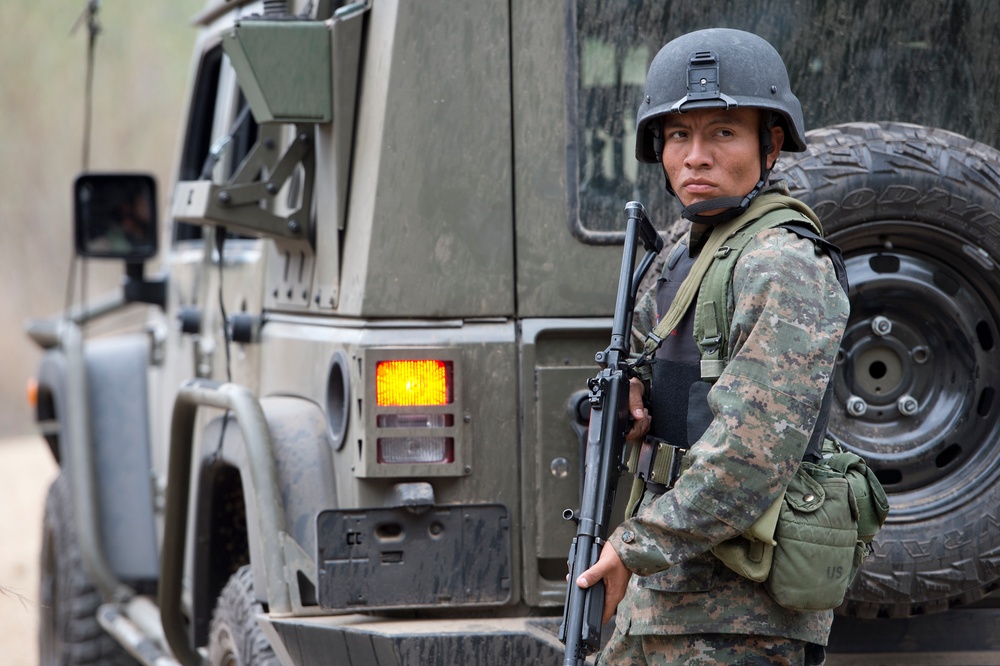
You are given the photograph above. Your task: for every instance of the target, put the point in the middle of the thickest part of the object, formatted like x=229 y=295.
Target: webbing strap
x=711 y=319
x=711 y=341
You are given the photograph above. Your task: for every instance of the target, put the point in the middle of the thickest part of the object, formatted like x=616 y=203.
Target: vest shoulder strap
x=711 y=316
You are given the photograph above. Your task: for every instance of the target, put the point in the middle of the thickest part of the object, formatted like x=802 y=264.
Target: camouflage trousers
x=709 y=650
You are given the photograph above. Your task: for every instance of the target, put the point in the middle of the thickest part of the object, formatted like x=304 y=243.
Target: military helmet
x=716 y=68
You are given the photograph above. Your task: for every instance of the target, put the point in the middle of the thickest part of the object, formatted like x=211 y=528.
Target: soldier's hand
x=640 y=424
x=615 y=574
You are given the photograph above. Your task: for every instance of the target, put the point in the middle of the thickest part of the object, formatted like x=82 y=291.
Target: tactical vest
x=691 y=356
x=679 y=408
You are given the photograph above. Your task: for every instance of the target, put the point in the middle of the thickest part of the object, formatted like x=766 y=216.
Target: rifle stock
x=605 y=451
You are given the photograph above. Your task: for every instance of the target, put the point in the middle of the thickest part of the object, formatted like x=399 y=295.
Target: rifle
x=604 y=457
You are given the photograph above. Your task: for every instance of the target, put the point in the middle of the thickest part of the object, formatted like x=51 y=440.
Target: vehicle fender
x=51 y=379
x=118 y=415
x=304 y=468
x=120 y=434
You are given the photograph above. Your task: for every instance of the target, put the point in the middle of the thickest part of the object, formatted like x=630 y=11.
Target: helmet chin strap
x=729 y=207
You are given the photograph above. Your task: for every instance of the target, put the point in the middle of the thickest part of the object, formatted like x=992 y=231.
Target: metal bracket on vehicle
x=243 y=203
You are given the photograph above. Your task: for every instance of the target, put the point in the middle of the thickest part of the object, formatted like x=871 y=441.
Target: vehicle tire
x=915 y=211
x=235 y=639
x=69 y=633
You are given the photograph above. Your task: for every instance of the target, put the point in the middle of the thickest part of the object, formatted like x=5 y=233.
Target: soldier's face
x=712 y=153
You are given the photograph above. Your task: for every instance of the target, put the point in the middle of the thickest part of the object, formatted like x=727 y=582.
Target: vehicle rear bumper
x=361 y=640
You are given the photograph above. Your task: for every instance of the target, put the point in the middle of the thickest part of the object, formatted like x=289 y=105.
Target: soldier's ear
x=777 y=139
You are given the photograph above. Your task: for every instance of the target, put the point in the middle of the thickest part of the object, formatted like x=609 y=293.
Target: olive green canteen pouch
x=817 y=549
x=808 y=546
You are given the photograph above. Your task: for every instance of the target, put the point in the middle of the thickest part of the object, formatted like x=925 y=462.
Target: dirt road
x=26 y=469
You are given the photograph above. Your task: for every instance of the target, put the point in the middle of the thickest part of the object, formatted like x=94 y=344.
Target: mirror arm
x=140 y=290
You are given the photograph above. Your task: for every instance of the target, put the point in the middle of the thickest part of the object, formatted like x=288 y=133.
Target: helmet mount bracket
x=703 y=81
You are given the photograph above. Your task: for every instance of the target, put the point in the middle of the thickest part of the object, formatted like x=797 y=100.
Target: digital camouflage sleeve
x=788 y=316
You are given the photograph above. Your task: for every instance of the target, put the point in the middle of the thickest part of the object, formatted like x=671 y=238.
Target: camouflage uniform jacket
x=788 y=314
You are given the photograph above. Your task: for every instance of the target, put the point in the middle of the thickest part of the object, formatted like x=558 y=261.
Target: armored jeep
x=341 y=422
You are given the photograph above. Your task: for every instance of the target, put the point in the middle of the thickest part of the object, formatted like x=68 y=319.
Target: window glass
x=929 y=62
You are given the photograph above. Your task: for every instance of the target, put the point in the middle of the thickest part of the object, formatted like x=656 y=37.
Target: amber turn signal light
x=412 y=383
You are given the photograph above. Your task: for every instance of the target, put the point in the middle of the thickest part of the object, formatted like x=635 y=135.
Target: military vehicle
x=338 y=418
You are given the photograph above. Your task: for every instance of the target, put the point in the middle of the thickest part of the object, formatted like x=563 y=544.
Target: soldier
x=717 y=110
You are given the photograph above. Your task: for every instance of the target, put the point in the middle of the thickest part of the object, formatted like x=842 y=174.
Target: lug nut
x=907 y=405
x=881 y=325
x=856 y=406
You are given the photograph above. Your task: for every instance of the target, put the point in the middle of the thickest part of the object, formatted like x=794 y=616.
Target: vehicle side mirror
x=115 y=216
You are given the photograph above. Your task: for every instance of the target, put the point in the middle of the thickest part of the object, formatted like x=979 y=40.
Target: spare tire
x=915 y=211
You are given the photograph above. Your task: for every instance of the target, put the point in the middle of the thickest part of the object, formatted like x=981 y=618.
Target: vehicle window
x=198 y=135
x=928 y=62
x=208 y=121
